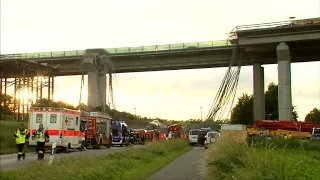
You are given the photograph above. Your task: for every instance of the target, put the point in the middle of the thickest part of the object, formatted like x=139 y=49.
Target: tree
x=49 y=103
x=242 y=113
x=313 y=116
x=7 y=107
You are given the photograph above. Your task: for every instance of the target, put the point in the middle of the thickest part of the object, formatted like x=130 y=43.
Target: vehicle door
x=53 y=126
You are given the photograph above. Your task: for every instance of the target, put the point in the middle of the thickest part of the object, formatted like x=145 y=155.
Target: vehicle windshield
x=115 y=132
x=194 y=132
x=215 y=135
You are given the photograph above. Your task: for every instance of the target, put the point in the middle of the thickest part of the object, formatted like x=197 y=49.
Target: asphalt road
x=185 y=167
x=9 y=161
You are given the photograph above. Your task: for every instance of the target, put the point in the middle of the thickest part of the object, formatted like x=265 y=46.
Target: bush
x=267 y=160
x=131 y=164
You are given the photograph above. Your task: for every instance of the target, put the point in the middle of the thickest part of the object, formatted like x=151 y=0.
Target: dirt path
x=185 y=167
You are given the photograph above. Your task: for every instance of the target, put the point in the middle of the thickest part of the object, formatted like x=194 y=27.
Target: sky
x=55 y=25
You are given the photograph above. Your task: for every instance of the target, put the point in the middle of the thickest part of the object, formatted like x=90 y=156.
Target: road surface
x=185 y=167
x=9 y=161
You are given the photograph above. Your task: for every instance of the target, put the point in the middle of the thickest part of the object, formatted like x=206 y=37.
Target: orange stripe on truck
x=54 y=132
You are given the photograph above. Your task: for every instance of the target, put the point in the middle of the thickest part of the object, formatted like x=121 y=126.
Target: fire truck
x=96 y=126
x=62 y=125
x=175 y=129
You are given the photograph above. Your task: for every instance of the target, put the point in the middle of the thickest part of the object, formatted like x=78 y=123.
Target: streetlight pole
x=201 y=112
x=135 y=111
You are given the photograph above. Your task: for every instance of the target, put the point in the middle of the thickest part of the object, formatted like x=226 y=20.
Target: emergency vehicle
x=120 y=134
x=97 y=129
x=62 y=125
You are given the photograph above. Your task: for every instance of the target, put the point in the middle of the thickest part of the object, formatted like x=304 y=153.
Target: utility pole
x=135 y=111
x=201 y=112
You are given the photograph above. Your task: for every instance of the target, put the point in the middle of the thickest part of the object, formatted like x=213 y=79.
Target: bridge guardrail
x=122 y=50
x=300 y=22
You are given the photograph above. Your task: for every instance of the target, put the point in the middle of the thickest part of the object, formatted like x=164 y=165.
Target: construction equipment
x=97 y=129
x=296 y=129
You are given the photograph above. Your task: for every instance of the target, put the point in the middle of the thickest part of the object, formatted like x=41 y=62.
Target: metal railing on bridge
x=281 y=24
x=122 y=50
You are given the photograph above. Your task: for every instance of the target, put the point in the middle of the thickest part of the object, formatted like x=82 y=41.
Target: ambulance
x=62 y=125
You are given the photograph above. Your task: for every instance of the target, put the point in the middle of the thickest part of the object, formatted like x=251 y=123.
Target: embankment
x=7 y=144
x=259 y=158
x=133 y=164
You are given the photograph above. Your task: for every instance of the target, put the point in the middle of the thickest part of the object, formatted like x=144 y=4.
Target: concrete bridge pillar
x=258 y=93
x=97 y=81
x=284 y=81
x=97 y=85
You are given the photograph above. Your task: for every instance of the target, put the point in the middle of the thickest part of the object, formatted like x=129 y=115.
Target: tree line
x=242 y=113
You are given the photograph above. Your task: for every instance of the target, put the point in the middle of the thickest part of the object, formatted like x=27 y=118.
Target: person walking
x=42 y=137
x=21 y=136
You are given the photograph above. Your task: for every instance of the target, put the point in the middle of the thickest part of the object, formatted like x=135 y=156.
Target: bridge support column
x=258 y=93
x=96 y=90
x=284 y=81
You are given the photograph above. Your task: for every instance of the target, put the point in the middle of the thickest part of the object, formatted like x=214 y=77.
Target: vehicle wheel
x=65 y=149
x=82 y=147
x=109 y=144
x=98 y=146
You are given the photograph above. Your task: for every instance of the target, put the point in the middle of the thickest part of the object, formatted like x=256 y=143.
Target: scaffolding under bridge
x=23 y=83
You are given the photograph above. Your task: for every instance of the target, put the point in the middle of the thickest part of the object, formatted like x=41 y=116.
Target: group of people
x=21 y=136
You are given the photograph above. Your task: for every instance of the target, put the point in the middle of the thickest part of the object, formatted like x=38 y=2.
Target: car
x=211 y=137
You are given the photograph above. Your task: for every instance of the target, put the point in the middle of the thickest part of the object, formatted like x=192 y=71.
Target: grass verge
x=137 y=164
x=229 y=159
x=7 y=144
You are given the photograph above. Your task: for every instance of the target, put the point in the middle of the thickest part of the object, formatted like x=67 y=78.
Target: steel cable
x=225 y=96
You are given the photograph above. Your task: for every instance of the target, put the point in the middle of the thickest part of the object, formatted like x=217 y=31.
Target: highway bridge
x=268 y=43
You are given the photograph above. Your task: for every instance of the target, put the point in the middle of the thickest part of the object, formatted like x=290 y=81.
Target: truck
x=315 y=133
x=97 y=128
x=297 y=129
x=120 y=133
x=175 y=130
x=62 y=125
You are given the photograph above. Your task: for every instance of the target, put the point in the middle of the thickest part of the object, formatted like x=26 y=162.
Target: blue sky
x=53 y=25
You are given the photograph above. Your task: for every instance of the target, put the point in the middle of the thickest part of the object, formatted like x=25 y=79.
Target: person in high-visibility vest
x=42 y=137
x=21 y=136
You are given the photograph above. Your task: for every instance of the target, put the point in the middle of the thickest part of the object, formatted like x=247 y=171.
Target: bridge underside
x=202 y=58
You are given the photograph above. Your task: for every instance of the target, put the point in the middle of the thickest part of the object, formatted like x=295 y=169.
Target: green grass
x=307 y=145
x=134 y=164
x=7 y=144
x=275 y=160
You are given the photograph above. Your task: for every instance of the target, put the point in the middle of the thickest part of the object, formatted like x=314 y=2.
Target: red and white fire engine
x=98 y=129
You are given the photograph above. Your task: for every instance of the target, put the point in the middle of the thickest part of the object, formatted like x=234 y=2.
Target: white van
x=193 y=136
x=211 y=137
